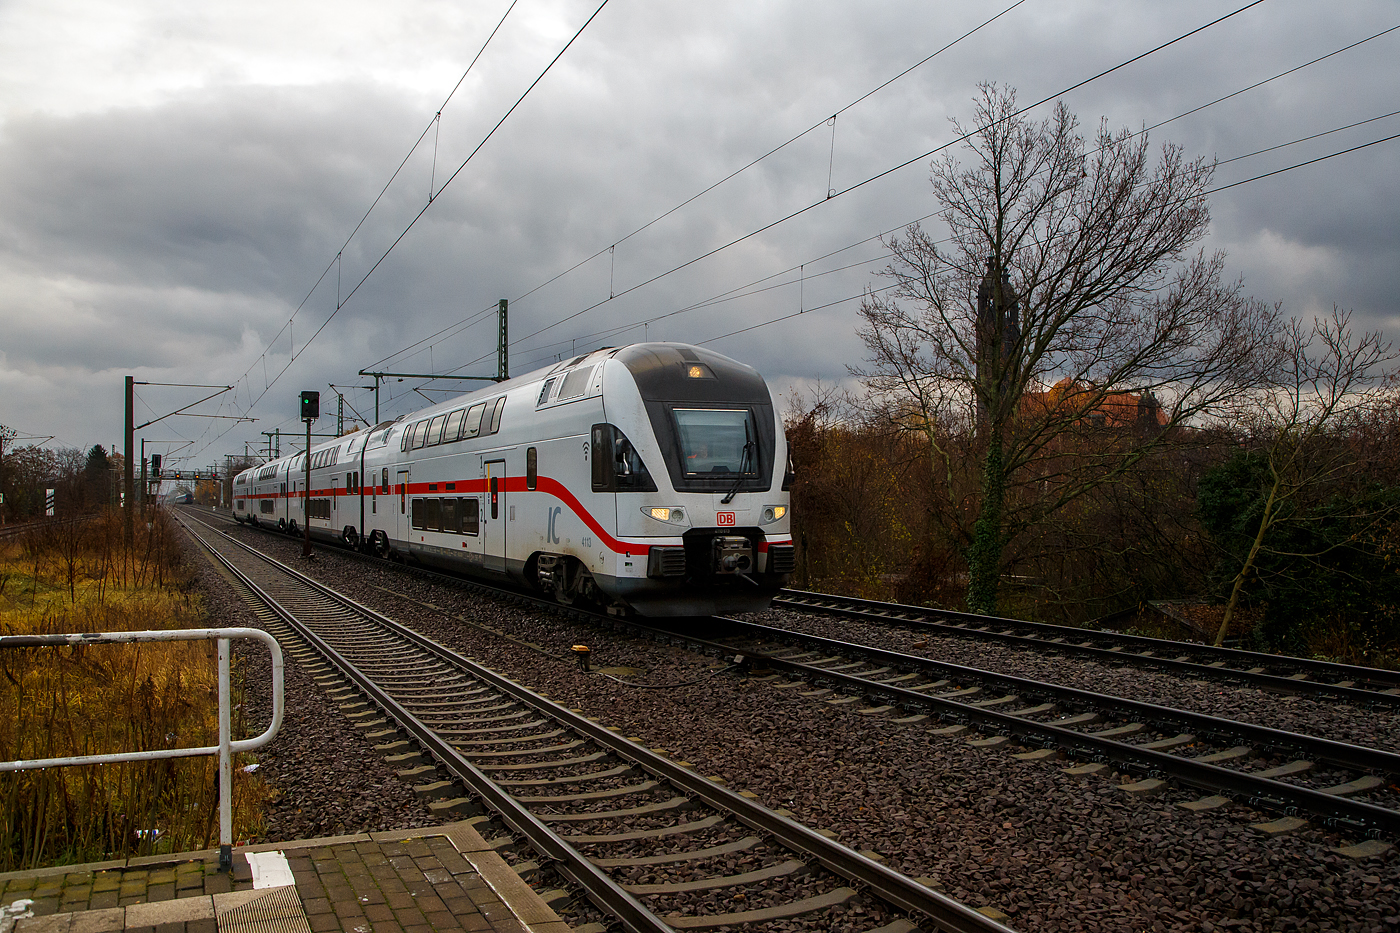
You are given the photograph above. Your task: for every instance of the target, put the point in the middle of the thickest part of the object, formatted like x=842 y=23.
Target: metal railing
x=226 y=748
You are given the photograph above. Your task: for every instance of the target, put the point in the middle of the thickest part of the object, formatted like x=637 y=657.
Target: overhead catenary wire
x=611 y=248
x=1210 y=191
x=340 y=303
x=750 y=288
x=1256 y=85
x=773 y=151
x=1224 y=187
x=895 y=168
x=435 y=121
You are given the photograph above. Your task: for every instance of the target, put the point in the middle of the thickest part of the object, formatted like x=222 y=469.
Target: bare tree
x=1065 y=295
x=1330 y=381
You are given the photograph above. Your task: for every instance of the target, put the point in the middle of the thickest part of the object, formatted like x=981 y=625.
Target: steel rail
x=1286 y=798
x=602 y=890
x=898 y=890
x=1264 y=793
x=1357 y=757
x=973 y=624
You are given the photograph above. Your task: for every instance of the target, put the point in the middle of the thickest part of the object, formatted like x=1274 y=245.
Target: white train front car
x=652 y=477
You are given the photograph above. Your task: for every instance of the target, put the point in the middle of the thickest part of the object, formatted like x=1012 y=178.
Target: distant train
x=654 y=477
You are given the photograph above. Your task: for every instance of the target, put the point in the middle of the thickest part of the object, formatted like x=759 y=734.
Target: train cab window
x=716 y=441
x=469 y=516
x=471 y=426
x=544 y=393
x=420 y=434
x=435 y=431
x=453 y=429
x=496 y=418
x=532 y=465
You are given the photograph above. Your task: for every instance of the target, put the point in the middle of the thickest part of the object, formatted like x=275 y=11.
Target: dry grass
x=57 y=702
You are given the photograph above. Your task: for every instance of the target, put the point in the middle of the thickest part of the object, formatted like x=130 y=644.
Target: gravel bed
x=1052 y=852
x=326 y=777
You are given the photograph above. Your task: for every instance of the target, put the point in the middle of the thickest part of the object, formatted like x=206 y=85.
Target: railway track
x=1360 y=686
x=1346 y=787
x=588 y=800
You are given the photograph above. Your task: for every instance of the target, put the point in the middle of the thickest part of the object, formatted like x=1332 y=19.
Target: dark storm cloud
x=176 y=236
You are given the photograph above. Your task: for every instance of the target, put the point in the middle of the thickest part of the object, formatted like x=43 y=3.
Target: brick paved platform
x=443 y=879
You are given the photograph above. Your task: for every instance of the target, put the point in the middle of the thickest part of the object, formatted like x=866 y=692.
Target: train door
x=493 y=518
x=405 y=532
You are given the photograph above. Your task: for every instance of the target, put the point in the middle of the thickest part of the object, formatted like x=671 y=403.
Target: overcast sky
x=176 y=177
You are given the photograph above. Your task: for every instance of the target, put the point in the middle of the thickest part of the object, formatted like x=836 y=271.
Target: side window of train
x=403 y=441
x=469 y=515
x=385 y=483
x=544 y=393
x=599 y=456
x=420 y=434
x=496 y=418
x=472 y=425
x=435 y=430
x=575 y=383
x=453 y=429
x=531 y=468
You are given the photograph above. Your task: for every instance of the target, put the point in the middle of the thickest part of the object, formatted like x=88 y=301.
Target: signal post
x=310 y=411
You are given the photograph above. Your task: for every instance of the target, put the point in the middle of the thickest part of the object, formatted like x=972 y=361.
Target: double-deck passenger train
x=654 y=477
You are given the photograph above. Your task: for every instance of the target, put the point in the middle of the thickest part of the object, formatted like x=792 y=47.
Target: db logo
x=724 y=518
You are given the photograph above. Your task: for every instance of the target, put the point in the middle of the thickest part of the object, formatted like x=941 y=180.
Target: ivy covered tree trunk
x=984 y=556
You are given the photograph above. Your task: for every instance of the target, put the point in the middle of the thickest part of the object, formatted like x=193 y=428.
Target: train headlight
x=672 y=516
x=772 y=513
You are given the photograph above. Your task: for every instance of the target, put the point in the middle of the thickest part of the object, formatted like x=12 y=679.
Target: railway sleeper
x=1360 y=785
x=809 y=905
x=694 y=855
x=570 y=778
x=495 y=730
x=758 y=876
x=1175 y=741
x=510 y=741
x=626 y=790
x=1292 y=767
x=546 y=765
x=664 y=806
x=465 y=749
x=636 y=835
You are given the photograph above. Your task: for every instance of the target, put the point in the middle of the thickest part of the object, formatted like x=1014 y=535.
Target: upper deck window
x=575 y=383
x=435 y=430
x=454 y=426
x=472 y=424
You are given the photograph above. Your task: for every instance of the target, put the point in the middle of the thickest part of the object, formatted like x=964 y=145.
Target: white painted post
x=225 y=761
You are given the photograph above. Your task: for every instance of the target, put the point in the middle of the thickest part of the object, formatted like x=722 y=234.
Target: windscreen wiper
x=749 y=445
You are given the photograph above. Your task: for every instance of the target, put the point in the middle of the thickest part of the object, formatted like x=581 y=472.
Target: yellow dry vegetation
x=98 y=699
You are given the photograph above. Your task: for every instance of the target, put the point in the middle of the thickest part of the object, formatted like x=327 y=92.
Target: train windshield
x=714 y=441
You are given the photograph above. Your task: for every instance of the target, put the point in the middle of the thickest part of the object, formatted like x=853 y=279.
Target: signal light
x=310 y=406
x=155 y=465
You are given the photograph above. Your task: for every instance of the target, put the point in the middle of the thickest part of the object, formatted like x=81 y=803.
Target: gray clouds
x=174 y=179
